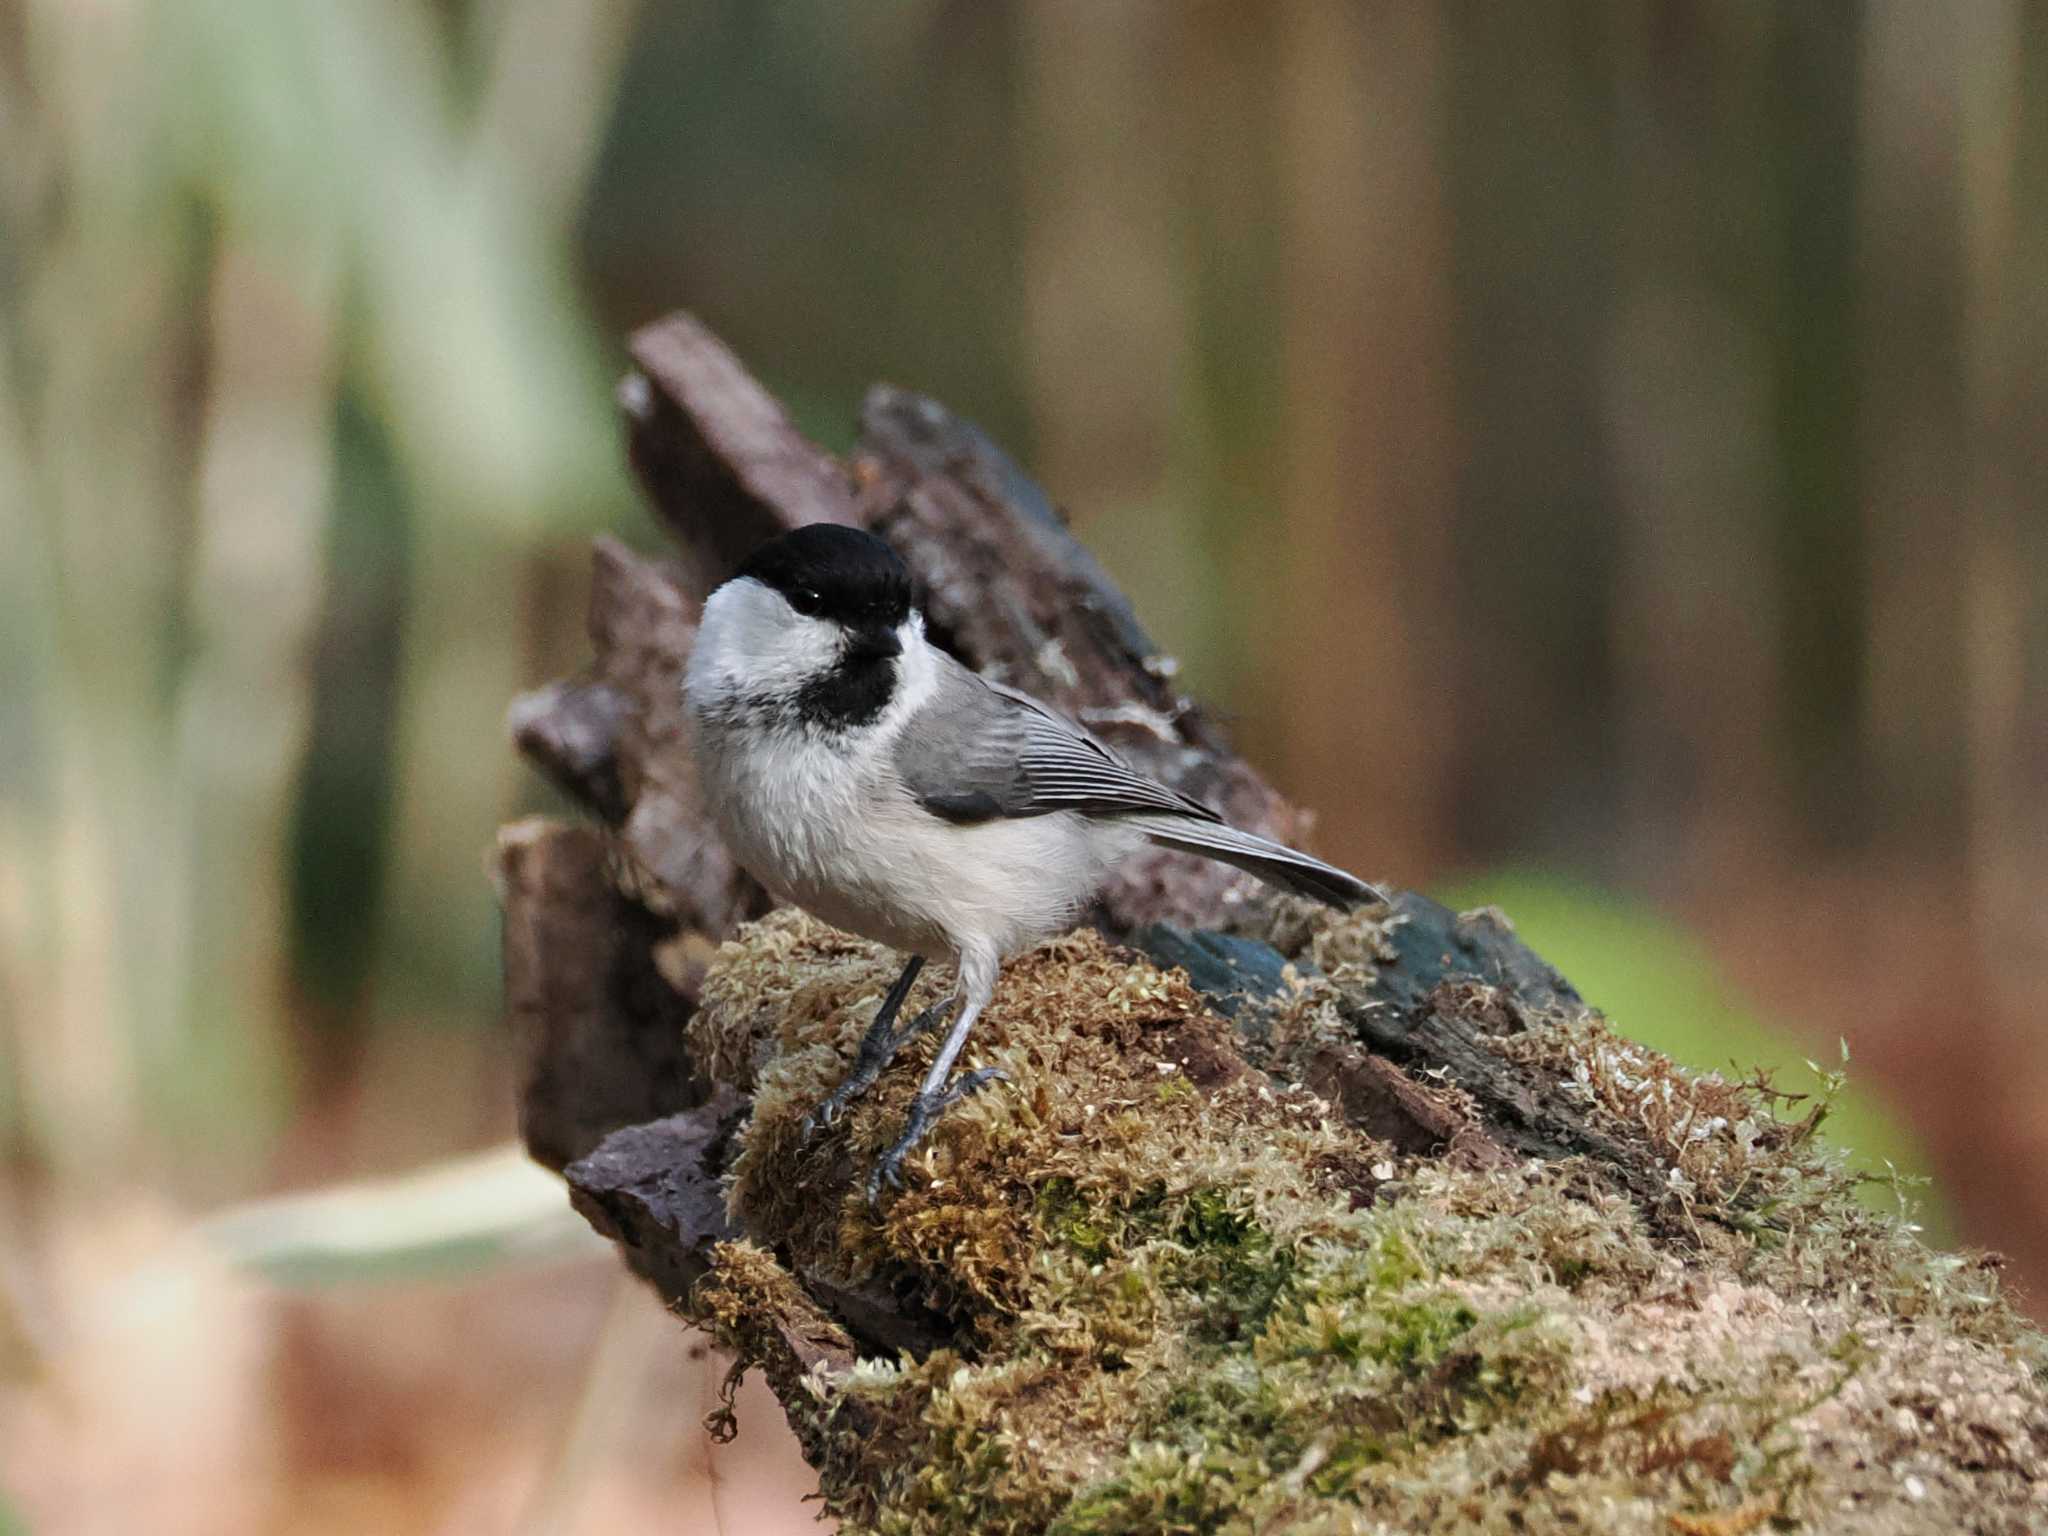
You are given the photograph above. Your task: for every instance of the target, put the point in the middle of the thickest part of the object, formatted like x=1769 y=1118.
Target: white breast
x=824 y=823
x=842 y=838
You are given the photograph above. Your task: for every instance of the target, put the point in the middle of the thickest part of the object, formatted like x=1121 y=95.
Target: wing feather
x=980 y=751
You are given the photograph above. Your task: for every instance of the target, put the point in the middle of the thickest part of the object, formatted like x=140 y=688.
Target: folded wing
x=990 y=752
x=979 y=751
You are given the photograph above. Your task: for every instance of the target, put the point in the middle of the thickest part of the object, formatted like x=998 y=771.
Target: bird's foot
x=925 y=1111
x=876 y=1051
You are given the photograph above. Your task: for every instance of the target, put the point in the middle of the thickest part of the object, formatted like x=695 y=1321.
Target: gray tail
x=1272 y=863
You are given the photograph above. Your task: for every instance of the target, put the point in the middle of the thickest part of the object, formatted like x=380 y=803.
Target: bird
x=862 y=773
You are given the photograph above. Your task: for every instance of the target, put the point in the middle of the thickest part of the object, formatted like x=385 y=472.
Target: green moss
x=1069 y=1220
x=1418 y=1333
x=1231 y=1266
x=1187 y=1298
x=1171 y=1089
x=1160 y=1490
x=1364 y=1364
x=1389 y=1262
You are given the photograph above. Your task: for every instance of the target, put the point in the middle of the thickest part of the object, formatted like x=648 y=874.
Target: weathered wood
x=570 y=731
x=608 y=928
x=653 y=1189
x=598 y=1029
x=1441 y=986
x=1427 y=945
x=720 y=460
x=605 y=935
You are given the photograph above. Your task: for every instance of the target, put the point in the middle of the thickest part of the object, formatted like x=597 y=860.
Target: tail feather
x=1271 y=862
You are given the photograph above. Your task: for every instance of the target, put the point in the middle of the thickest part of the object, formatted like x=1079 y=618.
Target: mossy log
x=1282 y=1221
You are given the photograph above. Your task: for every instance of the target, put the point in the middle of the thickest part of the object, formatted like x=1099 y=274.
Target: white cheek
x=751 y=641
x=790 y=647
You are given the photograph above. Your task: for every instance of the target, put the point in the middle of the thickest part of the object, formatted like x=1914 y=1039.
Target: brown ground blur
x=176 y=1397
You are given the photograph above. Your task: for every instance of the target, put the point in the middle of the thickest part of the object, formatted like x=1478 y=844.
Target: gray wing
x=978 y=751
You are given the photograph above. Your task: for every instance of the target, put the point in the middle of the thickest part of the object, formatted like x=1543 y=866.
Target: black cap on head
x=830 y=571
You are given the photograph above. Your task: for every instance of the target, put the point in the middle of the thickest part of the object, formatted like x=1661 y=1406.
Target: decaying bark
x=1422 y=1039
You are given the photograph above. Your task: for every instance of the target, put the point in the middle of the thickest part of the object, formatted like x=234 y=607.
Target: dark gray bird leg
x=940 y=1091
x=925 y=1110
x=877 y=1048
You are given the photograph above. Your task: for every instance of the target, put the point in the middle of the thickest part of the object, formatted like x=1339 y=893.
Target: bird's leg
x=939 y=1092
x=877 y=1048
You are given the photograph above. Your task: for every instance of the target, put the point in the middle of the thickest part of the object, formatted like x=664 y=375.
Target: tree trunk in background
x=1687 y=420
x=1105 y=312
x=1911 y=419
x=1366 y=478
x=1810 y=121
x=1229 y=218
x=2005 y=618
x=1529 y=163
x=244 y=712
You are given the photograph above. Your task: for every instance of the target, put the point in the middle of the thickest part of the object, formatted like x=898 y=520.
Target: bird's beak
x=873 y=645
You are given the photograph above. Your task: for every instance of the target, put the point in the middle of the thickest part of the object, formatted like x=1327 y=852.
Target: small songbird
x=861 y=773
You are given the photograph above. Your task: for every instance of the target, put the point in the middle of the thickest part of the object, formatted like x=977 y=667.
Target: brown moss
x=756 y=1308
x=1120 y=1083
x=1721 y=1142
x=1187 y=1297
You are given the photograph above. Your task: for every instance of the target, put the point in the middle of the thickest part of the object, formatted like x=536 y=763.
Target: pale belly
x=862 y=856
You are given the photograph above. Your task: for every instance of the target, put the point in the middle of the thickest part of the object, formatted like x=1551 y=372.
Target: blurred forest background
x=1597 y=455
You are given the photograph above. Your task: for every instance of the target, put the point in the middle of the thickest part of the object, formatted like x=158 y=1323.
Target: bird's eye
x=806 y=600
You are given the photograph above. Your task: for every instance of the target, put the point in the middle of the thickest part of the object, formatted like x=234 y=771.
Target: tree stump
x=1283 y=1221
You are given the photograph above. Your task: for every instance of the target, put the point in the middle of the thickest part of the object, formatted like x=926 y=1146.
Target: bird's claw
x=967 y=1084
x=827 y=1113
x=868 y=1064
x=925 y=1111
x=832 y=1106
